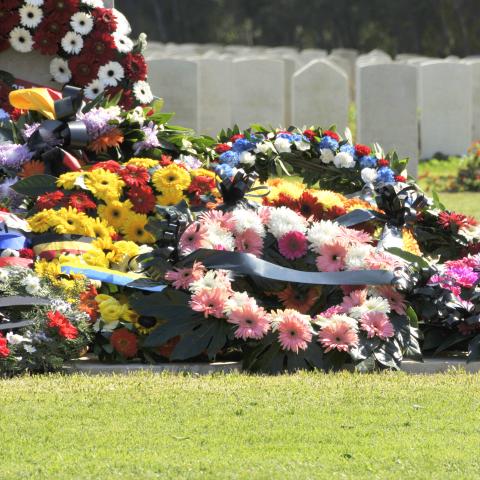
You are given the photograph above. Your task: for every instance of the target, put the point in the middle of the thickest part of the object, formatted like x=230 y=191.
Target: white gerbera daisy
x=36 y=3
x=30 y=16
x=82 y=23
x=142 y=92
x=123 y=26
x=322 y=232
x=21 y=40
x=238 y=300
x=326 y=155
x=122 y=42
x=94 y=89
x=219 y=237
x=248 y=220
x=324 y=321
x=111 y=73
x=357 y=255
x=93 y=3
x=283 y=220
x=72 y=43
x=60 y=71
x=372 y=304
x=212 y=279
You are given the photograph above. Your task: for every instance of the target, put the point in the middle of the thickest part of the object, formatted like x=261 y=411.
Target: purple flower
x=97 y=120
x=189 y=161
x=29 y=130
x=13 y=156
x=463 y=276
x=150 y=141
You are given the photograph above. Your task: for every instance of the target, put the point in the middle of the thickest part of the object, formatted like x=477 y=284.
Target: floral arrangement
x=41 y=325
x=469 y=174
x=90 y=45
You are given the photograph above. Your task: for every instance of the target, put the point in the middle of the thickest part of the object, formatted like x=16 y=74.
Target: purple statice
x=29 y=130
x=150 y=140
x=13 y=156
x=98 y=120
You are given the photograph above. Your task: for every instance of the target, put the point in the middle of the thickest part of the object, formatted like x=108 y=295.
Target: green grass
x=467 y=203
x=287 y=427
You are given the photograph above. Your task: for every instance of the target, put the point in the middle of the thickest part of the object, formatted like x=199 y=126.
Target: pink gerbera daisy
x=377 y=324
x=253 y=322
x=338 y=335
x=193 y=238
x=354 y=299
x=355 y=236
x=210 y=302
x=332 y=257
x=249 y=241
x=335 y=310
x=294 y=330
x=224 y=219
x=395 y=299
x=264 y=214
x=293 y=245
x=182 y=278
x=382 y=261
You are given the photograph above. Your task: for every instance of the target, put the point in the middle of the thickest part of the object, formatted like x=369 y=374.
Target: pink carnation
x=249 y=242
x=253 y=322
x=377 y=324
x=182 y=278
x=332 y=257
x=210 y=302
x=339 y=336
x=294 y=331
x=293 y=245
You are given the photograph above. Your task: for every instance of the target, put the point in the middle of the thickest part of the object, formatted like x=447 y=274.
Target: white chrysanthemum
x=30 y=16
x=372 y=304
x=72 y=43
x=15 y=339
x=142 y=92
x=283 y=145
x=369 y=175
x=357 y=255
x=344 y=160
x=219 y=237
x=60 y=71
x=238 y=300
x=337 y=318
x=247 y=158
x=93 y=3
x=94 y=89
x=321 y=233
x=123 y=26
x=326 y=155
x=264 y=147
x=111 y=74
x=36 y=3
x=82 y=23
x=283 y=220
x=32 y=285
x=248 y=220
x=122 y=42
x=21 y=40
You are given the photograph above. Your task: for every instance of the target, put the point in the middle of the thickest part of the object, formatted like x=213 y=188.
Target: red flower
x=110 y=165
x=308 y=206
x=101 y=45
x=64 y=328
x=310 y=134
x=88 y=304
x=335 y=212
x=45 y=42
x=124 y=342
x=50 y=200
x=454 y=221
x=27 y=253
x=222 y=148
x=236 y=137
x=104 y=19
x=166 y=160
x=331 y=134
x=9 y=4
x=4 y=350
x=84 y=68
x=61 y=7
x=135 y=67
x=134 y=176
x=362 y=150
x=400 y=178
x=383 y=162
x=143 y=198
x=8 y=20
x=201 y=185
x=81 y=201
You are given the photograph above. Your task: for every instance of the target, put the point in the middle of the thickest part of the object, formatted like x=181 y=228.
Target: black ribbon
x=248 y=264
x=55 y=141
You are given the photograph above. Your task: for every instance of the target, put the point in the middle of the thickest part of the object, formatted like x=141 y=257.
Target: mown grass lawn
x=144 y=426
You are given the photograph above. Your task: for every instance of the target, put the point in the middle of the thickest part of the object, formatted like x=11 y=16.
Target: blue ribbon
x=12 y=240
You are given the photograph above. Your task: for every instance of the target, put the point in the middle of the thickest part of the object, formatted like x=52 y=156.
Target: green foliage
x=36 y=185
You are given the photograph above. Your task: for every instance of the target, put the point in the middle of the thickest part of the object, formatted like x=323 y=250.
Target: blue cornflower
x=385 y=175
x=368 y=162
x=230 y=158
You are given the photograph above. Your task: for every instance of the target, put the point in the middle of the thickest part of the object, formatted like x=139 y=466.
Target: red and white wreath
x=90 y=44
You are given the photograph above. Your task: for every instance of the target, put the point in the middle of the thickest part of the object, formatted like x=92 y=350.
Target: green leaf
x=412 y=316
x=409 y=257
x=36 y=185
x=436 y=201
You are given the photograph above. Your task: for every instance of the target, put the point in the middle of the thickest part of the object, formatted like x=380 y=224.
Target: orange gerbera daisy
x=299 y=299
x=111 y=139
x=33 y=167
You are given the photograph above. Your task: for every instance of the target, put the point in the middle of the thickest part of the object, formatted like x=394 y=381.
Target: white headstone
x=309 y=54
x=320 y=96
x=387 y=109
x=475 y=70
x=258 y=92
x=177 y=81
x=445 y=108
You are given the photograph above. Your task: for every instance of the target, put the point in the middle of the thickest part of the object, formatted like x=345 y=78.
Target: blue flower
x=328 y=142
x=224 y=171
x=368 y=162
x=385 y=175
x=230 y=158
x=243 y=145
x=288 y=136
x=350 y=149
x=300 y=138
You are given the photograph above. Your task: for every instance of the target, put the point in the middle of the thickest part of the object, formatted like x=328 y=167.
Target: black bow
x=55 y=140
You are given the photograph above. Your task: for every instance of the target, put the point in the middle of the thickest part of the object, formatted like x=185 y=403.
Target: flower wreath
x=91 y=46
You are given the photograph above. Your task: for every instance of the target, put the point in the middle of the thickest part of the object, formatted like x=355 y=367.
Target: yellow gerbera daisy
x=115 y=213
x=169 y=196
x=71 y=222
x=134 y=230
x=99 y=228
x=202 y=172
x=50 y=270
x=143 y=162
x=42 y=221
x=67 y=180
x=124 y=249
x=96 y=258
x=170 y=177
x=104 y=184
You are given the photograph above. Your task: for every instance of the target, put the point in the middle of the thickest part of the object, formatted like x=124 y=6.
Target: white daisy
x=30 y=16
x=283 y=220
x=247 y=158
x=60 y=71
x=357 y=255
x=21 y=40
x=283 y=145
x=82 y=23
x=322 y=232
x=238 y=300
x=248 y=220
x=212 y=279
x=72 y=43
x=37 y=3
x=344 y=160
x=326 y=155
x=93 y=3
x=142 y=92
x=94 y=89
x=123 y=26
x=111 y=73
x=122 y=42
x=372 y=304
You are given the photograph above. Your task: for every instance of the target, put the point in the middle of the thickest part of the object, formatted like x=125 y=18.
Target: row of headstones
x=418 y=109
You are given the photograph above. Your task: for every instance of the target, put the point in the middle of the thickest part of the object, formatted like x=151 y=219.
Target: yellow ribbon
x=37 y=99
